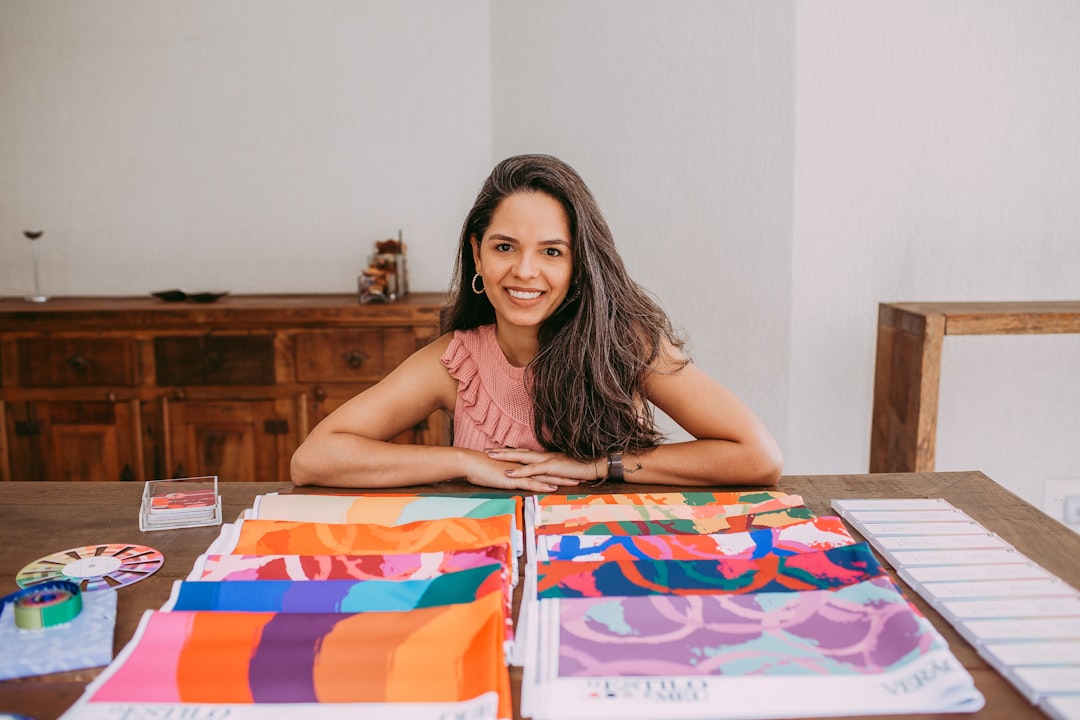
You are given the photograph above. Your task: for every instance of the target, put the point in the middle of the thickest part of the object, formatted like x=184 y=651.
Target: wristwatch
x=614 y=467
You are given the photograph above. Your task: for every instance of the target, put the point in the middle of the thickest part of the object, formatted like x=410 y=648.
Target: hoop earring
x=474 y=279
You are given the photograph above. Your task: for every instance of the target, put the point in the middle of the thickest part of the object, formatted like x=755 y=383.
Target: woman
x=551 y=359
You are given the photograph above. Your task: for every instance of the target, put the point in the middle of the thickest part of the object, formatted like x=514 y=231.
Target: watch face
x=94 y=567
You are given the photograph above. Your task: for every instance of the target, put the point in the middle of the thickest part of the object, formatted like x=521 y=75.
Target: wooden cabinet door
x=237 y=440
x=79 y=441
x=246 y=359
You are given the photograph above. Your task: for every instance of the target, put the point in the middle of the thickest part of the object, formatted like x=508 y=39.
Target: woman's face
x=525 y=258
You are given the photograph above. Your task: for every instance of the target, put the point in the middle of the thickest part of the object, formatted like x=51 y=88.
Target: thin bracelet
x=614 y=467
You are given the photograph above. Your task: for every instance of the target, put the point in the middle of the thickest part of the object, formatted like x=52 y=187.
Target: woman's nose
x=525 y=267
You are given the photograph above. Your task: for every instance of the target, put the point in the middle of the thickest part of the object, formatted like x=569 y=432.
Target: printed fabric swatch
x=658 y=498
x=821 y=533
x=700 y=526
x=377 y=509
x=820 y=570
x=335 y=596
x=409 y=566
x=286 y=537
x=570 y=515
x=427 y=659
x=859 y=649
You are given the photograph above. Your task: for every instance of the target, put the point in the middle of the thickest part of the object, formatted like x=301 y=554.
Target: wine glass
x=33 y=236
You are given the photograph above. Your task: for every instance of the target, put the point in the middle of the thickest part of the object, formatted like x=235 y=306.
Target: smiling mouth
x=521 y=295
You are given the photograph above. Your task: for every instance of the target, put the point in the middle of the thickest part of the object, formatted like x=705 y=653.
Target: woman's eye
x=502 y=247
x=553 y=252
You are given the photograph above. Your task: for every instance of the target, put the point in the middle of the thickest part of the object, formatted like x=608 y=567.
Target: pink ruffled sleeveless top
x=493 y=407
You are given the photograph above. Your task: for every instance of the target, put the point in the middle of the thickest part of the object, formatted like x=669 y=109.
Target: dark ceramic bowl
x=170 y=295
x=207 y=297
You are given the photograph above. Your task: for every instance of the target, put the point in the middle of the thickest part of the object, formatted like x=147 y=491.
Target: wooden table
x=908 y=367
x=37 y=519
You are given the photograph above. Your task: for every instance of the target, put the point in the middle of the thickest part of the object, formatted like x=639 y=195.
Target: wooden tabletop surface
x=38 y=519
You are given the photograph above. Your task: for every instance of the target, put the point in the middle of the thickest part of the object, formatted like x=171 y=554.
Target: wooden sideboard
x=903 y=436
x=126 y=388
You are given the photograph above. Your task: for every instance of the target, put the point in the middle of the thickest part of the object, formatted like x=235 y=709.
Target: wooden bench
x=908 y=370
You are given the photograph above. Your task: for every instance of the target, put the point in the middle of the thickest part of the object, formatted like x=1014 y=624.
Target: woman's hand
x=500 y=469
x=548 y=467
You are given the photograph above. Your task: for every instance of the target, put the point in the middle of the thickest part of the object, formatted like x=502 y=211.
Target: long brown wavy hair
x=587 y=380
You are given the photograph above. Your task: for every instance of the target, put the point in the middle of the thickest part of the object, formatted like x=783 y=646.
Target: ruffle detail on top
x=493 y=408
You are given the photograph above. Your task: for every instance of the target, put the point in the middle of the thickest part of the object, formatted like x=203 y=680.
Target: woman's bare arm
x=352 y=446
x=731 y=446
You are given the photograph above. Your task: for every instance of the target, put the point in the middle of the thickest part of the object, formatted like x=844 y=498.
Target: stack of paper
x=719 y=605
x=340 y=606
x=1022 y=620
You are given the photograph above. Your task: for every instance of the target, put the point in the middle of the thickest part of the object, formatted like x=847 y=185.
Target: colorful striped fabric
x=285 y=537
x=336 y=596
x=819 y=533
x=701 y=526
x=821 y=570
x=409 y=566
x=378 y=509
x=436 y=655
x=346 y=596
x=570 y=515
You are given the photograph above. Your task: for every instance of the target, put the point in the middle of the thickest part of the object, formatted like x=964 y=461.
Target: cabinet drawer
x=350 y=355
x=76 y=362
x=215 y=360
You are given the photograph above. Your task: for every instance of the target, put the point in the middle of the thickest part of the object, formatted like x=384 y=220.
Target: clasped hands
x=534 y=470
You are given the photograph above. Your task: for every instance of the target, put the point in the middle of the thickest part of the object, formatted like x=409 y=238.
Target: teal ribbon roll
x=45 y=605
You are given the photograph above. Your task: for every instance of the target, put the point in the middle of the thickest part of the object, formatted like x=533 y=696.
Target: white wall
x=249 y=146
x=937 y=158
x=772 y=171
x=679 y=117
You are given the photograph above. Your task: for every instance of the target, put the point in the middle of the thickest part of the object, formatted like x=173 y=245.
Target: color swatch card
x=1039 y=683
x=978 y=632
x=860 y=517
x=914 y=575
x=937 y=592
x=883 y=529
x=977 y=556
x=1039 y=669
x=1061 y=707
x=843 y=506
x=1029 y=607
x=936 y=542
x=1005 y=655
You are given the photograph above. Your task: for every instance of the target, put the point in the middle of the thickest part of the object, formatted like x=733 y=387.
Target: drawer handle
x=78 y=363
x=214 y=360
x=354 y=358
